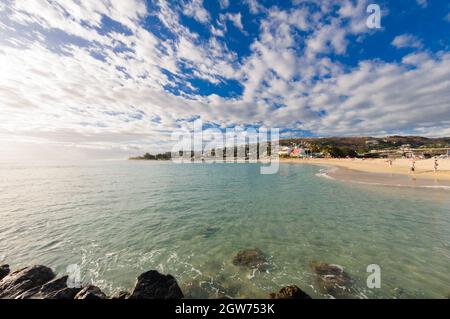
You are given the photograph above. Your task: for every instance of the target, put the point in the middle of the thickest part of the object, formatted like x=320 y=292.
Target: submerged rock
x=153 y=285
x=22 y=280
x=290 y=292
x=210 y=231
x=90 y=292
x=331 y=278
x=251 y=258
x=4 y=271
x=216 y=287
x=198 y=290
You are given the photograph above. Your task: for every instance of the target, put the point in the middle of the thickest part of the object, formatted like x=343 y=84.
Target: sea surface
x=117 y=219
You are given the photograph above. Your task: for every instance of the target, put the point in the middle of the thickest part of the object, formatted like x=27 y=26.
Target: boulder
x=40 y=292
x=55 y=289
x=20 y=281
x=4 y=271
x=90 y=292
x=66 y=293
x=290 y=292
x=251 y=258
x=153 y=285
x=120 y=295
x=332 y=279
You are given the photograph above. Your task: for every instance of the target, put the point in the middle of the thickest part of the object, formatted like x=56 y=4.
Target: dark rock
x=4 y=271
x=120 y=295
x=20 y=281
x=43 y=291
x=153 y=285
x=251 y=258
x=66 y=293
x=290 y=292
x=332 y=279
x=55 y=289
x=90 y=292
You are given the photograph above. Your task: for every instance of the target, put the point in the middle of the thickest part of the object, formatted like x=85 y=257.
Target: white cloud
x=254 y=6
x=196 y=10
x=447 y=17
x=122 y=103
x=416 y=58
x=123 y=93
x=422 y=3
x=224 y=4
x=407 y=41
x=218 y=32
x=388 y=97
x=236 y=18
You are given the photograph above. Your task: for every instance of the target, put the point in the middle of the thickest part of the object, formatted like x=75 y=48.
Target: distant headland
x=151 y=157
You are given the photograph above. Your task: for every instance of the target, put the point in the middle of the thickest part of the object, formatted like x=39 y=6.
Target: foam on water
x=325 y=172
x=328 y=174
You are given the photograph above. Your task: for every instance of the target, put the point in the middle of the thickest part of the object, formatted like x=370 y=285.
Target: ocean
x=117 y=219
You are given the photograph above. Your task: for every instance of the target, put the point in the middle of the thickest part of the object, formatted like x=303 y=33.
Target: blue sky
x=117 y=77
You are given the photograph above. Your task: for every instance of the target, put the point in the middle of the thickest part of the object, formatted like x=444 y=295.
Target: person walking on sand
x=436 y=164
x=390 y=162
x=412 y=166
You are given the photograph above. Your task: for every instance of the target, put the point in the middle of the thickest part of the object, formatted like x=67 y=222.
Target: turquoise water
x=119 y=219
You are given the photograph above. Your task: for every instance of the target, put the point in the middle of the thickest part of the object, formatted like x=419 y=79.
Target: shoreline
x=378 y=172
x=41 y=282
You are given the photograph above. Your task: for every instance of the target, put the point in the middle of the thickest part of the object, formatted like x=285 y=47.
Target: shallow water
x=119 y=219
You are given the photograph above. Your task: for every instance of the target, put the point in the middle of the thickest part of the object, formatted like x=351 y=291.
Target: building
x=405 y=147
x=298 y=152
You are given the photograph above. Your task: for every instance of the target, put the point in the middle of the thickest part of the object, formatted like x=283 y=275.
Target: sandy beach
x=378 y=170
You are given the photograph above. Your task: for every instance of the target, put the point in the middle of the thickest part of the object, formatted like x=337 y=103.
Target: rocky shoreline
x=40 y=282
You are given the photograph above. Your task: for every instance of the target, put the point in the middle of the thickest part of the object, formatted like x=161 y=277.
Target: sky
x=113 y=78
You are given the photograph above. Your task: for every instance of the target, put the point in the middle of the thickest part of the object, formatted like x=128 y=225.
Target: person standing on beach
x=436 y=164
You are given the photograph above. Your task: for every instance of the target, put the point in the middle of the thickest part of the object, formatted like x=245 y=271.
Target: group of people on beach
x=412 y=164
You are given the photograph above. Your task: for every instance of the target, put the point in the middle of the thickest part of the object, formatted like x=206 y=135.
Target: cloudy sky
x=112 y=78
